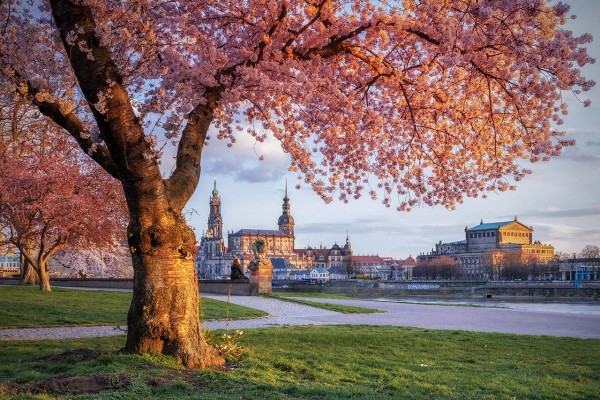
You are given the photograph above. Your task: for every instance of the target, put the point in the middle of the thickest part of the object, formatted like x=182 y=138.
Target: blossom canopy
x=426 y=101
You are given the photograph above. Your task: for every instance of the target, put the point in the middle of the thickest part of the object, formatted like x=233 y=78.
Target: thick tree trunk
x=39 y=265
x=44 y=277
x=164 y=316
x=28 y=274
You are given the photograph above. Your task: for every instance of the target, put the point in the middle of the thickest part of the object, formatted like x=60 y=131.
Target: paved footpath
x=529 y=322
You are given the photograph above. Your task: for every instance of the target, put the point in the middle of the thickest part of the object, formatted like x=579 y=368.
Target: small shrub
x=229 y=346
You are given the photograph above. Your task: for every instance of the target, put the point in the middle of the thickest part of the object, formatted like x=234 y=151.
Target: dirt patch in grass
x=65 y=384
x=71 y=355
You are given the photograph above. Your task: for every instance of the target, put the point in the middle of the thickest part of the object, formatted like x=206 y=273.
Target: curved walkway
x=528 y=322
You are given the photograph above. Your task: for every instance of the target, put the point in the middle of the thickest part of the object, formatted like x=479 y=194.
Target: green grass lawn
x=295 y=297
x=320 y=362
x=22 y=307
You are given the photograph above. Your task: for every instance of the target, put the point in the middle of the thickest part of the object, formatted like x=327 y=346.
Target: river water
x=552 y=305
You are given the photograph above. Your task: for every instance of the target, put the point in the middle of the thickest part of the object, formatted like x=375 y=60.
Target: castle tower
x=286 y=221
x=347 y=246
x=215 y=222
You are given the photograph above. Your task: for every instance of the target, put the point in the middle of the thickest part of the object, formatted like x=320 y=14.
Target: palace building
x=493 y=243
x=334 y=257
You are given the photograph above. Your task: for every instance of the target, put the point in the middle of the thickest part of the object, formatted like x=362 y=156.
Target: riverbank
x=450 y=289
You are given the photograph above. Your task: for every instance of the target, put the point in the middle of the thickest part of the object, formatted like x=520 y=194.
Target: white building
x=319 y=274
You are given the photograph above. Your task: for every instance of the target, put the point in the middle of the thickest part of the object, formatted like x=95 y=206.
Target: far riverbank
x=447 y=289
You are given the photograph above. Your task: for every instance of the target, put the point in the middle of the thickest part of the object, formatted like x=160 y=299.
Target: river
x=554 y=305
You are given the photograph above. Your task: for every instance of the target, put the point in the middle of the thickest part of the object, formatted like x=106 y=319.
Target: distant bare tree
x=590 y=251
x=443 y=267
x=348 y=267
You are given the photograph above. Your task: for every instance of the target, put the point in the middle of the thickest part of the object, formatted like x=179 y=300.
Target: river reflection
x=548 y=305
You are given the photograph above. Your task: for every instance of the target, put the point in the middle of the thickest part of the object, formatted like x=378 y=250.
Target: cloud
x=566 y=238
x=242 y=160
x=578 y=156
x=561 y=213
x=382 y=226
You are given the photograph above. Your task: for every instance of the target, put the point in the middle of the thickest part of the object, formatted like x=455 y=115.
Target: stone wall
x=241 y=288
x=453 y=288
x=238 y=288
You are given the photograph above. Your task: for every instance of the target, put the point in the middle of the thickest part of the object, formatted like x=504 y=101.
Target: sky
x=560 y=200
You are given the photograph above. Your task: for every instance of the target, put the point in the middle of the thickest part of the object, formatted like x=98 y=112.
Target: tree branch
x=183 y=181
x=102 y=86
x=72 y=124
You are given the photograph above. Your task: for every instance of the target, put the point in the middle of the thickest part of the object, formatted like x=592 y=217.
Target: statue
x=236 y=270
x=259 y=249
x=261 y=269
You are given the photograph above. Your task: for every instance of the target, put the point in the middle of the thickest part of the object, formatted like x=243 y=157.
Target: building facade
x=322 y=257
x=212 y=258
x=489 y=246
x=279 y=243
x=10 y=260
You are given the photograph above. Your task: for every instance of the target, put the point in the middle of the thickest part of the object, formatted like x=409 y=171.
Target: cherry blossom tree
x=46 y=183
x=47 y=206
x=411 y=101
x=114 y=261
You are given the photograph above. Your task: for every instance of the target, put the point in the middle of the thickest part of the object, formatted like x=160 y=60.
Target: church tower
x=347 y=247
x=286 y=221
x=215 y=222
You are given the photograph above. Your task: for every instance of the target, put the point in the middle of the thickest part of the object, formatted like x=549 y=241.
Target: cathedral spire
x=215 y=192
x=347 y=246
x=286 y=221
x=215 y=221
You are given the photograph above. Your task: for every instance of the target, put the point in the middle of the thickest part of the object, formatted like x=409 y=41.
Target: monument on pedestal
x=261 y=270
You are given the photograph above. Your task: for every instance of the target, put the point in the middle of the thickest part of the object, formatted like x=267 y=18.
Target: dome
x=285 y=219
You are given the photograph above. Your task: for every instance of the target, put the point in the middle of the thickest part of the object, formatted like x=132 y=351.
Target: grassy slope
x=340 y=362
x=27 y=307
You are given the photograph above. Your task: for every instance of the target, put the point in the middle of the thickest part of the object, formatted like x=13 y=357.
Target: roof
x=458 y=242
x=278 y=263
x=281 y=263
x=367 y=260
x=300 y=272
x=259 y=232
x=336 y=270
x=489 y=225
x=408 y=261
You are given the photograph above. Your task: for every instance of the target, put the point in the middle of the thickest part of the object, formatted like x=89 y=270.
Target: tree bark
x=39 y=265
x=44 y=277
x=164 y=315
x=28 y=274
